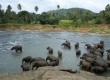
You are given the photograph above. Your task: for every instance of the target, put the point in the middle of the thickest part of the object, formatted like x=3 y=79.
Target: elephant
x=108 y=62
x=88 y=46
x=102 y=42
x=87 y=55
x=108 y=50
x=27 y=59
x=17 y=48
x=38 y=64
x=85 y=65
x=59 y=54
x=76 y=45
x=101 y=63
x=66 y=44
x=25 y=67
x=101 y=51
x=36 y=59
x=89 y=59
x=50 y=50
x=108 y=56
x=52 y=58
x=53 y=63
x=96 y=53
x=97 y=69
x=78 y=52
x=101 y=46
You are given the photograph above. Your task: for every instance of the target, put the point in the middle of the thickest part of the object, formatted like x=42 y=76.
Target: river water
x=35 y=43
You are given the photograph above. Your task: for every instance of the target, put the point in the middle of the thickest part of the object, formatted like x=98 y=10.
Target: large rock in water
x=51 y=73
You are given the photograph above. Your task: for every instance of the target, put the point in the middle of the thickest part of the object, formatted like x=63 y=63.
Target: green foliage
x=65 y=23
x=24 y=17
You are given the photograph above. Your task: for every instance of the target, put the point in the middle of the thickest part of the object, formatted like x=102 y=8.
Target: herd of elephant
x=91 y=61
x=30 y=63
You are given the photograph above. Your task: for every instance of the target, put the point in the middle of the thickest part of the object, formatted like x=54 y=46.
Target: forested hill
x=70 y=10
x=79 y=12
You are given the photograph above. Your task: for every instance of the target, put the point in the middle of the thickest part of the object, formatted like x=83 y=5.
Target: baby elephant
x=17 y=48
x=50 y=50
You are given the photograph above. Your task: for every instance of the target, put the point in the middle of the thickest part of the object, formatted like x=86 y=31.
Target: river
x=34 y=44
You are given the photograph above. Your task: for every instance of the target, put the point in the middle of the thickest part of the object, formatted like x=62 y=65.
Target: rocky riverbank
x=51 y=73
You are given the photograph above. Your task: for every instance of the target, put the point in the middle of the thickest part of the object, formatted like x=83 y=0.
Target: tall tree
x=9 y=8
x=19 y=7
x=36 y=8
x=58 y=6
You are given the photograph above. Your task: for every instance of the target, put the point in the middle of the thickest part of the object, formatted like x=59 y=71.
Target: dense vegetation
x=65 y=17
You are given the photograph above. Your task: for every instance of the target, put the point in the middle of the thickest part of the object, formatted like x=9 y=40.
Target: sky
x=46 y=5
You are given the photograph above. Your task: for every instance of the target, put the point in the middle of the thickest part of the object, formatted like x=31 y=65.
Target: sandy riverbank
x=100 y=29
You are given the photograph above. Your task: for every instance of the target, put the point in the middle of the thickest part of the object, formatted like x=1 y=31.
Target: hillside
x=64 y=12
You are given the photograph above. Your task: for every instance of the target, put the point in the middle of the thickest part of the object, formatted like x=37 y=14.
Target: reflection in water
x=35 y=43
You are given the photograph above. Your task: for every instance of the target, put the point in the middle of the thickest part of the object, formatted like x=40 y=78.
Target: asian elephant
x=53 y=63
x=85 y=65
x=17 y=48
x=97 y=69
x=76 y=45
x=52 y=58
x=78 y=52
x=37 y=64
x=102 y=42
x=27 y=59
x=108 y=50
x=108 y=56
x=59 y=54
x=88 y=46
x=101 y=63
x=25 y=67
x=66 y=44
x=37 y=59
x=50 y=50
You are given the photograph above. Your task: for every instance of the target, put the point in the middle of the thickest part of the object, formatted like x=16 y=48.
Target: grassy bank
x=63 y=26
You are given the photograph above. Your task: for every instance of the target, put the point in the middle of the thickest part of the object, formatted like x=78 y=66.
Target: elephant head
x=52 y=58
x=27 y=59
x=25 y=67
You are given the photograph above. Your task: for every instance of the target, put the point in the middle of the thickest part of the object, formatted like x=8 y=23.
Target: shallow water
x=35 y=43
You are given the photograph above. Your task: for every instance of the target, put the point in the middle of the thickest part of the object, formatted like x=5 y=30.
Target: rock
x=51 y=73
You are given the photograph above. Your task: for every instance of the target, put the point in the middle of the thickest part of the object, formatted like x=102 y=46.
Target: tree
x=0 y=6
x=9 y=8
x=36 y=8
x=24 y=17
x=58 y=6
x=19 y=7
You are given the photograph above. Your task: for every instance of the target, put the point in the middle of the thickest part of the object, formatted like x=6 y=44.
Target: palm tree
x=9 y=8
x=36 y=8
x=19 y=7
x=58 y=6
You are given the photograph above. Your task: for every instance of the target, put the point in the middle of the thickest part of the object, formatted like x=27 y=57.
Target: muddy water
x=35 y=43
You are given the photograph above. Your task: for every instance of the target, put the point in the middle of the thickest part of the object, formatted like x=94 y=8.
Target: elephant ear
x=12 y=48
